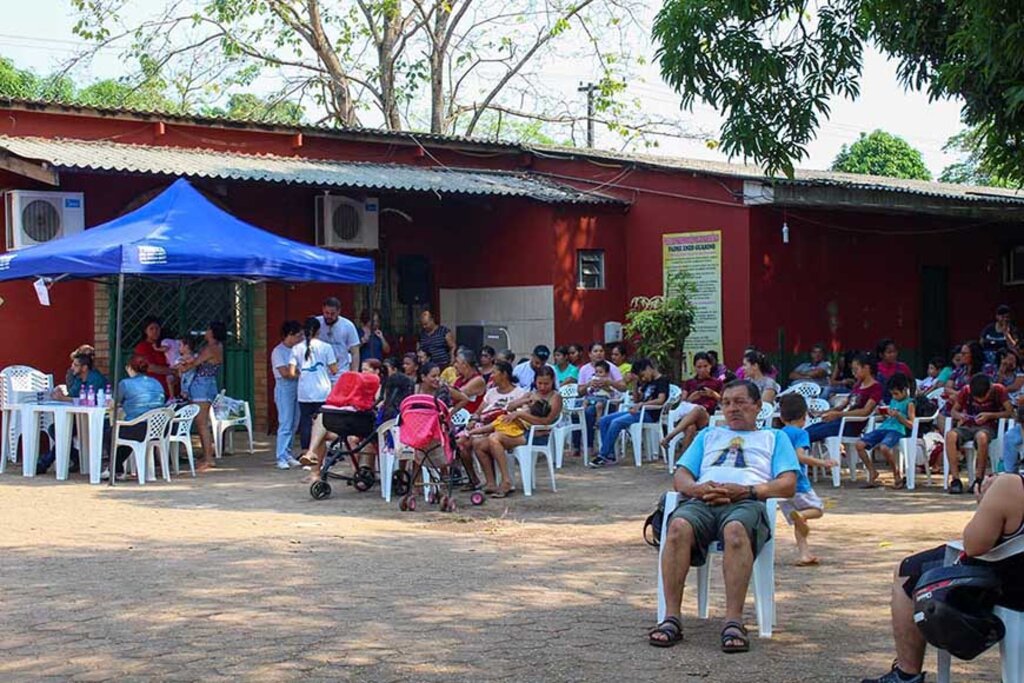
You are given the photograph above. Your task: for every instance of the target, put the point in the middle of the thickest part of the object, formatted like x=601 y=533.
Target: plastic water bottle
x=109 y=396
x=101 y=398
x=90 y=397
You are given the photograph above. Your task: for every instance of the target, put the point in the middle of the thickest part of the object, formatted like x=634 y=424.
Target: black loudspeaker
x=414 y=285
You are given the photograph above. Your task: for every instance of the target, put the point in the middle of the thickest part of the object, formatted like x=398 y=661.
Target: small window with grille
x=590 y=269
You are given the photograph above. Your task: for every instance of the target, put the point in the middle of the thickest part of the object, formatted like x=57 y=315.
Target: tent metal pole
x=113 y=373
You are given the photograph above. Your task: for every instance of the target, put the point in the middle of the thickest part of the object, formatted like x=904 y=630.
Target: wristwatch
x=752 y=493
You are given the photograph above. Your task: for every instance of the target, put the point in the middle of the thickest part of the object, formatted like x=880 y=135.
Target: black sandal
x=734 y=631
x=975 y=486
x=671 y=628
x=956 y=487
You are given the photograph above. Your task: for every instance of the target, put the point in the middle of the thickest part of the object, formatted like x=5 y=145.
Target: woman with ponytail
x=316 y=364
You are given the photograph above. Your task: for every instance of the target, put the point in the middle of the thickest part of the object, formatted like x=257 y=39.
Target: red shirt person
x=149 y=348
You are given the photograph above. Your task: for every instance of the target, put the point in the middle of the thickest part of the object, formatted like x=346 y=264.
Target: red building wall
x=850 y=279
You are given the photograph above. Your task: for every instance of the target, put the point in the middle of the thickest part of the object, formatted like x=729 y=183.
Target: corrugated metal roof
x=807 y=177
x=411 y=137
x=201 y=163
x=811 y=178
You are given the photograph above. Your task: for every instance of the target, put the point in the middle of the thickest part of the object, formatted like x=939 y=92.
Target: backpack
x=654 y=522
x=924 y=406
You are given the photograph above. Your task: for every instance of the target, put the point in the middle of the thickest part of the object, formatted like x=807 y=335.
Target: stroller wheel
x=477 y=498
x=401 y=482
x=451 y=505
x=320 y=490
x=442 y=503
x=364 y=479
x=431 y=497
x=412 y=504
x=403 y=504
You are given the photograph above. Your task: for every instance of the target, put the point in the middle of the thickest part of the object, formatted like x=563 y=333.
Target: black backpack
x=654 y=522
x=924 y=406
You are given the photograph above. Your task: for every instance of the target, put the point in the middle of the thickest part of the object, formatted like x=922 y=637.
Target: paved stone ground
x=240 y=575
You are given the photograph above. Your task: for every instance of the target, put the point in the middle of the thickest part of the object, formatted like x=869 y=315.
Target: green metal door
x=188 y=307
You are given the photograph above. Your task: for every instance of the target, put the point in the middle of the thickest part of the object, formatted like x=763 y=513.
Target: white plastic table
x=90 y=435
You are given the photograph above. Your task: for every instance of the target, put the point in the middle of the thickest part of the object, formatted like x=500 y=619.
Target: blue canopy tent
x=181 y=233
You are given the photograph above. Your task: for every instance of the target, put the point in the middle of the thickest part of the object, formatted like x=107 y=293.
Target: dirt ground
x=240 y=575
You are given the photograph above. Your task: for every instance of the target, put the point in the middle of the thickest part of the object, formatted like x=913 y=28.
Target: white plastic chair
x=388 y=457
x=806 y=389
x=765 y=415
x=833 y=443
x=525 y=457
x=1011 y=647
x=181 y=435
x=19 y=384
x=763 y=575
x=572 y=421
x=911 y=453
x=222 y=427
x=644 y=432
x=158 y=423
x=995 y=450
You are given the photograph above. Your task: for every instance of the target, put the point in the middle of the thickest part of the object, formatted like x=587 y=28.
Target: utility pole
x=590 y=89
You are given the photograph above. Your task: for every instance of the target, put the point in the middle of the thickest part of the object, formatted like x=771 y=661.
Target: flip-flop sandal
x=671 y=628
x=899 y=484
x=734 y=631
x=813 y=562
x=503 y=494
x=871 y=485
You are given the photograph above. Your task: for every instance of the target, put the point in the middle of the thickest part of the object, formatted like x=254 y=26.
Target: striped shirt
x=436 y=344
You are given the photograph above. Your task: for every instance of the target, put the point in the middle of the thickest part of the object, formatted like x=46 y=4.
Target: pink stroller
x=425 y=426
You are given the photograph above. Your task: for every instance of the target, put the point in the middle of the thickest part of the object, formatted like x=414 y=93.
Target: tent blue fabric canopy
x=181 y=233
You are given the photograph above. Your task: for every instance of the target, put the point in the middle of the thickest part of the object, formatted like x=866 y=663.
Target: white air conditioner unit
x=345 y=223
x=38 y=217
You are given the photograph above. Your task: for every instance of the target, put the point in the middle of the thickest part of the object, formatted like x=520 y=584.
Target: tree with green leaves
x=882 y=154
x=972 y=168
x=447 y=66
x=772 y=66
x=658 y=326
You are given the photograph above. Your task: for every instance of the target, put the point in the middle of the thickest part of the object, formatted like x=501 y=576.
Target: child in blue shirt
x=899 y=418
x=805 y=504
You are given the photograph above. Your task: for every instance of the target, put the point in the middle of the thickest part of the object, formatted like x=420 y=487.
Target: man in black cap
x=524 y=373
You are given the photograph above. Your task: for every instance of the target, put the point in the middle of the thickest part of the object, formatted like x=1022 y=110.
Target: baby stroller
x=349 y=412
x=425 y=425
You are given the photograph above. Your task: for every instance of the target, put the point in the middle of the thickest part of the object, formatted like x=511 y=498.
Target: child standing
x=806 y=504
x=900 y=417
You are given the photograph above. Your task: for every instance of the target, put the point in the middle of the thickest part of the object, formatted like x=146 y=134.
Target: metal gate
x=188 y=307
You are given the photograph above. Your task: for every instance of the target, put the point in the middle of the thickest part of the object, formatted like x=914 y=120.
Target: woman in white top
x=316 y=363
x=286 y=392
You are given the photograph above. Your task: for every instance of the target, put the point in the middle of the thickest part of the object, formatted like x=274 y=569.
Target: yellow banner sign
x=699 y=256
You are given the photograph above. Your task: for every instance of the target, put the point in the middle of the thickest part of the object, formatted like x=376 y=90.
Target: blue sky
x=38 y=35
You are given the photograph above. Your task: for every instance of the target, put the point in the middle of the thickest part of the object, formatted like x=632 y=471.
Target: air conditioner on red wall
x=39 y=217
x=346 y=223
x=1013 y=266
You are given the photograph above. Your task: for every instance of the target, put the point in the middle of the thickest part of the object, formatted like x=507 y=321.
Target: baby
x=510 y=425
x=599 y=391
x=185 y=352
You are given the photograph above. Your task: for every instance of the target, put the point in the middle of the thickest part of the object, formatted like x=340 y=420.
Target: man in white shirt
x=723 y=476
x=525 y=373
x=341 y=334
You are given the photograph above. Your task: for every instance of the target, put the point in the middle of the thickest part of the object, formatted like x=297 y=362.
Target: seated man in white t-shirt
x=724 y=476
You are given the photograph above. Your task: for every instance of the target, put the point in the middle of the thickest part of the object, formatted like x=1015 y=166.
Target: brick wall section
x=261 y=393
x=101 y=327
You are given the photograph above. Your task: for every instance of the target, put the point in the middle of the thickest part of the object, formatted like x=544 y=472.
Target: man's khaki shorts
x=708 y=522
